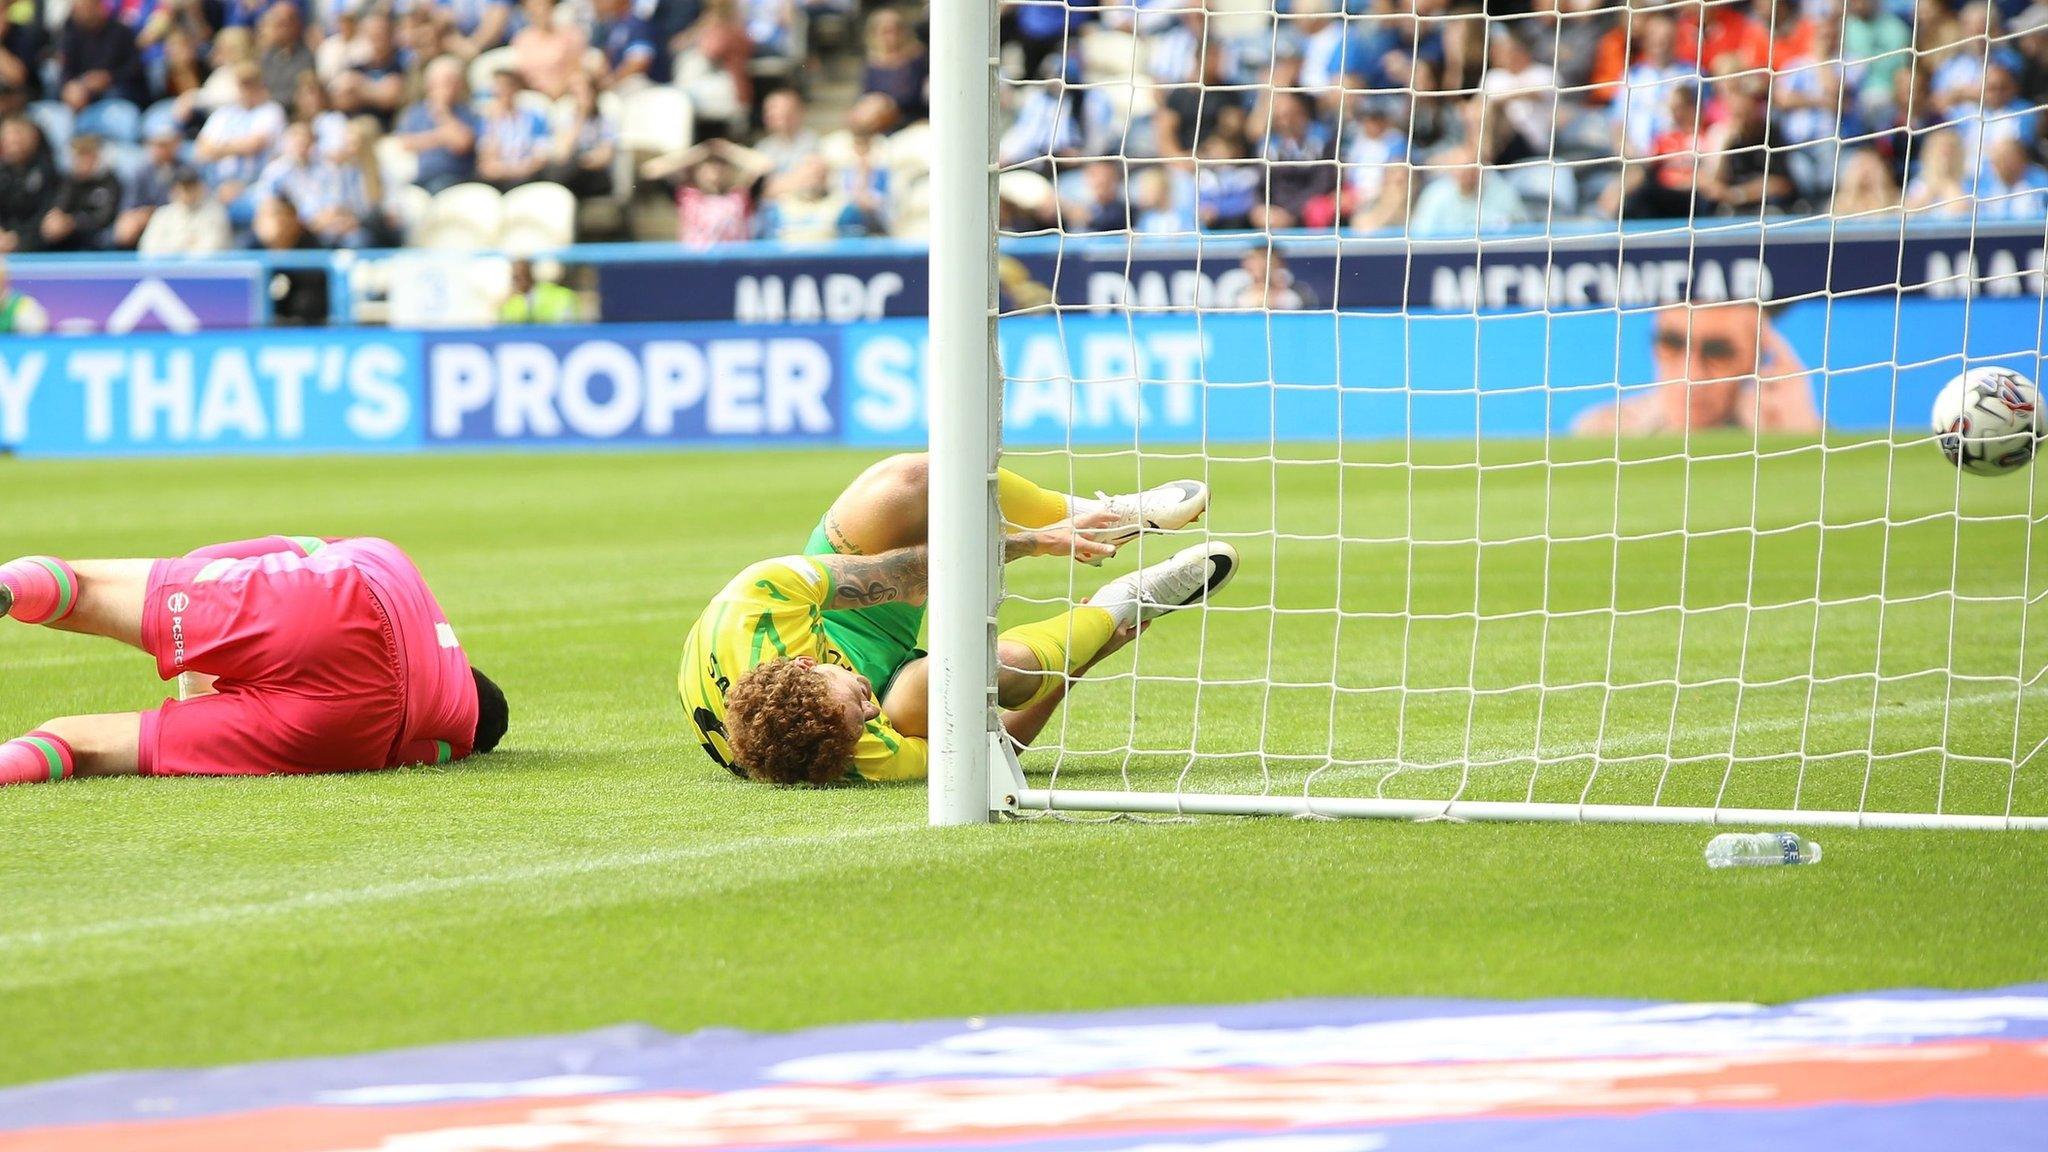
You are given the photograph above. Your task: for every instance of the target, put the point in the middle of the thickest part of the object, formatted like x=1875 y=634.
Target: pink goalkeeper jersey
x=440 y=695
x=286 y=612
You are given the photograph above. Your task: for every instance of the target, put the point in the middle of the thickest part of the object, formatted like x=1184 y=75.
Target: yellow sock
x=1026 y=504
x=1063 y=644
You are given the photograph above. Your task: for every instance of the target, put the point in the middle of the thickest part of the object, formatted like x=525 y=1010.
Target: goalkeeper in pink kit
x=299 y=654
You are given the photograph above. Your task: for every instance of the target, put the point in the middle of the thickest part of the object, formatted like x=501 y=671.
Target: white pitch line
x=413 y=889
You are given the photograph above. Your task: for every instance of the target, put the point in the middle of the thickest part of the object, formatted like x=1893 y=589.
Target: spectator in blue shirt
x=480 y=25
x=239 y=138
x=1163 y=199
x=2012 y=186
x=1463 y=200
x=625 y=40
x=666 y=20
x=1041 y=30
x=806 y=208
x=771 y=25
x=151 y=187
x=1335 y=53
x=1098 y=204
x=442 y=128
x=1959 y=64
x=2002 y=115
x=514 y=143
x=1227 y=185
x=374 y=83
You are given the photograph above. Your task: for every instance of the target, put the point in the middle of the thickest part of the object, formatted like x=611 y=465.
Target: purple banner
x=1871 y=1072
x=115 y=299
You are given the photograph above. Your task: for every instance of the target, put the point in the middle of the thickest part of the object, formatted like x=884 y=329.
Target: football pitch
x=598 y=869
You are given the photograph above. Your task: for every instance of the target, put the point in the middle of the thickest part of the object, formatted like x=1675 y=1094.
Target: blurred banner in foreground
x=1874 y=1072
x=1868 y=365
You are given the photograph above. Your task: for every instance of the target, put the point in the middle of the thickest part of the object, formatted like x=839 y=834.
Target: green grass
x=600 y=870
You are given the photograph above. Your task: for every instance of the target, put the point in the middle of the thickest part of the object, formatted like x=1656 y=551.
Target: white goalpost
x=964 y=409
x=1571 y=421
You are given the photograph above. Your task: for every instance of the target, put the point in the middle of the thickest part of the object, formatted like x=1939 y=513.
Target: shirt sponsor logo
x=178 y=602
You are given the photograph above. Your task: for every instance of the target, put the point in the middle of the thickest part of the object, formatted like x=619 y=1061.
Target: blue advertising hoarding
x=1240 y=378
x=694 y=384
x=1156 y=378
x=260 y=391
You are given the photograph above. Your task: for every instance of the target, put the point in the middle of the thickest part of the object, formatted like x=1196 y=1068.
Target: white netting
x=1562 y=372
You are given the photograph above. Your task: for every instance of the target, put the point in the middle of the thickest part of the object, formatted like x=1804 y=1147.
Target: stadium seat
x=910 y=217
x=1240 y=20
x=538 y=218
x=1107 y=55
x=398 y=164
x=485 y=66
x=163 y=114
x=465 y=216
x=1027 y=190
x=413 y=206
x=655 y=120
x=710 y=89
x=489 y=280
x=910 y=151
x=126 y=161
x=115 y=120
x=55 y=120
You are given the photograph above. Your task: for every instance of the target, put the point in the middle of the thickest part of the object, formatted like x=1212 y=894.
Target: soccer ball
x=1989 y=421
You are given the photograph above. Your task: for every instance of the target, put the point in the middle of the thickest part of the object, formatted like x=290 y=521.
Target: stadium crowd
x=186 y=126
x=1447 y=118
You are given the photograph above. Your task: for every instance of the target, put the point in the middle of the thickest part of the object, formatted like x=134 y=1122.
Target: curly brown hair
x=785 y=726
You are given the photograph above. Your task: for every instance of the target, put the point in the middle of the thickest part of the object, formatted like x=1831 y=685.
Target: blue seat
x=126 y=161
x=162 y=115
x=115 y=120
x=55 y=120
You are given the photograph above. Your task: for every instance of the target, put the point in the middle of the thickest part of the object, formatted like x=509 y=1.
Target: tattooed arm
x=902 y=576
x=897 y=577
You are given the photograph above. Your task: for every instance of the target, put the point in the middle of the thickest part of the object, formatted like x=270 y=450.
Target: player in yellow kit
x=805 y=668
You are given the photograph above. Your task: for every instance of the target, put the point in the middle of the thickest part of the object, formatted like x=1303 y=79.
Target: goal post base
x=1023 y=800
x=1005 y=776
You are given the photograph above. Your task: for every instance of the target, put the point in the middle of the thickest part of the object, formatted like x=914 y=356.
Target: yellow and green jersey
x=773 y=609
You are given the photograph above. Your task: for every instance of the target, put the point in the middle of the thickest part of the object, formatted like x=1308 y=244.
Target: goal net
x=1562 y=373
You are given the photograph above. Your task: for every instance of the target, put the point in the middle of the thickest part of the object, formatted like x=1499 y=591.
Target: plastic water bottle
x=1760 y=850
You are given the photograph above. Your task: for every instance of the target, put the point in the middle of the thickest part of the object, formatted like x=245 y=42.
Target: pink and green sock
x=45 y=588
x=36 y=758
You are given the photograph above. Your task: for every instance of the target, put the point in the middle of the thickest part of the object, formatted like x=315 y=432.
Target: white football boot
x=1183 y=580
x=1167 y=508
